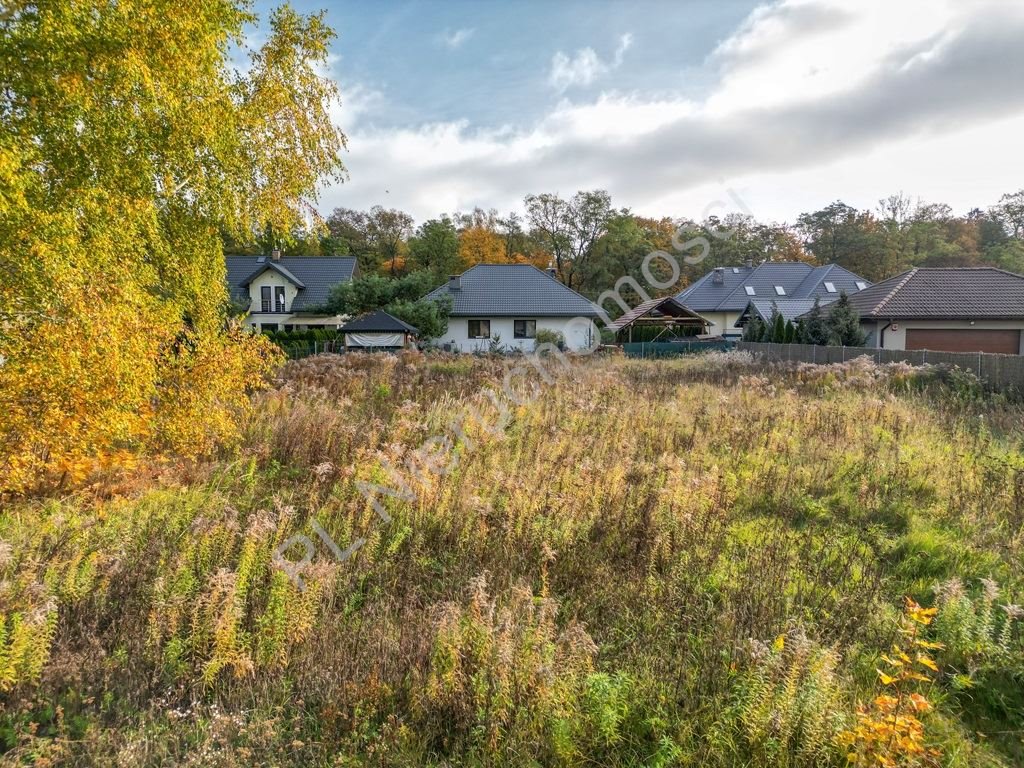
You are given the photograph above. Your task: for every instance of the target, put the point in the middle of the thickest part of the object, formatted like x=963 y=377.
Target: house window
x=479 y=329
x=749 y=289
x=861 y=285
x=279 y=298
x=265 y=305
x=524 y=329
x=830 y=287
x=780 y=291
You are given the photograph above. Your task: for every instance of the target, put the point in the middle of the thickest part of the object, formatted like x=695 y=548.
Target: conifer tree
x=815 y=327
x=844 y=324
x=778 y=326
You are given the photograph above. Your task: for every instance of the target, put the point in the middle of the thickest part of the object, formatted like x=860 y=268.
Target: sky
x=681 y=109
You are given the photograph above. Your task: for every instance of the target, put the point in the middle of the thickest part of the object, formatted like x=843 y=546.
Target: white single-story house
x=724 y=294
x=378 y=330
x=945 y=309
x=286 y=293
x=505 y=305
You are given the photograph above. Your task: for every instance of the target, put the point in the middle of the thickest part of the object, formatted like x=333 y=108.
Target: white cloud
x=814 y=100
x=455 y=39
x=585 y=66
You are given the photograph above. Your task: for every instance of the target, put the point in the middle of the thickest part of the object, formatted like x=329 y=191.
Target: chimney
x=454 y=282
x=750 y=263
x=553 y=272
x=275 y=255
x=718 y=277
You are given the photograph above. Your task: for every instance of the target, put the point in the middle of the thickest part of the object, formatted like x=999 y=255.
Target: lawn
x=705 y=561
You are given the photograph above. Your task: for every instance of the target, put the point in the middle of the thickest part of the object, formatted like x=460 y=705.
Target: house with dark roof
x=950 y=309
x=507 y=304
x=288 y=292
x=378 y=330
x=723 y=295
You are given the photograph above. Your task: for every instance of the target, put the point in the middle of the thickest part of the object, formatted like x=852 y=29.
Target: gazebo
x=378 y=331
x=665 y=313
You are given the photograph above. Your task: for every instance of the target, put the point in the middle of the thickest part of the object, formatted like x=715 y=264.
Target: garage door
x=964 y=340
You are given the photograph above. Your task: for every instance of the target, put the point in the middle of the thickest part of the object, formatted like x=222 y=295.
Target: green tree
x=844 y=324
x=754 y=330
x=790 y=334
x=816 y=330
x=348 y=235
x=435 y=247
x=840 y=234
x=569 y=229
x=370 y=292
x=129 y=142
x=776 y=326
x=429 y=317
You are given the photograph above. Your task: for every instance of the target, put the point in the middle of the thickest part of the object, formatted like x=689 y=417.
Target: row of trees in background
x=592 y=244
x=838 y=326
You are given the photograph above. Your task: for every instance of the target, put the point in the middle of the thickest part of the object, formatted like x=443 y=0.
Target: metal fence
x=1002 y=372
x=655 y=349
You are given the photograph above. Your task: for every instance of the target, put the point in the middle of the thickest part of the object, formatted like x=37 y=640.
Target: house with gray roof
x=288 y=292
x=765 y=309
x=723 y=295
x=507 y=304
x=949 y=309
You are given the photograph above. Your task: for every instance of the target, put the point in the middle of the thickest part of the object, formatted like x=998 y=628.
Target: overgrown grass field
x=704 y=562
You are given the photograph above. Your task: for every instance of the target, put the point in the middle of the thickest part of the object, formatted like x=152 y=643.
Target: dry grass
x=588 y=584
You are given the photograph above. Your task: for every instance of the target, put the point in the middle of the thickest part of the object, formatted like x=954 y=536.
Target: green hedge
x=317 y=334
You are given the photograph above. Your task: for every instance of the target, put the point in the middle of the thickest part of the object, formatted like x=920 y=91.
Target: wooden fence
x=1001 y=372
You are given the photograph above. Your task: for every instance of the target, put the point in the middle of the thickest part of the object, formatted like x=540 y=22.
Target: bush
x=549 y=336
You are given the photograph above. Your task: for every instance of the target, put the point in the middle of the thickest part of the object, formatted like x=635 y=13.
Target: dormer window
x=830 y=287
x=780 y=291
x=749 y=289
x=272 y=298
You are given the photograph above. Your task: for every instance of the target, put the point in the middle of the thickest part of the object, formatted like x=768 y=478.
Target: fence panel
x=657 y=349
x=1000 y=372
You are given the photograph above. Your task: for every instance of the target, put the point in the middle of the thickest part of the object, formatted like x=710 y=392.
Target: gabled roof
x=512 y=290
x=275 y=267
x=790 y=309
x=840 y=278
x=314 y=276
x=944 y=293
x=797 y=279
x=378 y=321
x=666 y=305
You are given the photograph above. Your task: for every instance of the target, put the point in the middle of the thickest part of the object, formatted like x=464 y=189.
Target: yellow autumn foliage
x=129 y=145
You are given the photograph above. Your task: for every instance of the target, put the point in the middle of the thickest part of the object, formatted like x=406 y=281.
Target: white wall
x=723 y=323
x=579 y=333
x=896 y=337
x=272 y=279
